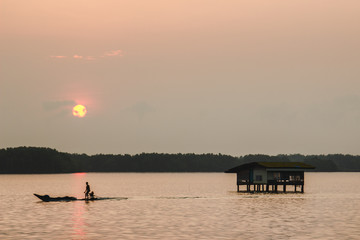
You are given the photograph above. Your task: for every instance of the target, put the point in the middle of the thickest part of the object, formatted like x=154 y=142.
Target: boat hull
x=47 y=198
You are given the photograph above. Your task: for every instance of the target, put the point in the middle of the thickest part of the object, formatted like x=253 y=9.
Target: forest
x=32 y=160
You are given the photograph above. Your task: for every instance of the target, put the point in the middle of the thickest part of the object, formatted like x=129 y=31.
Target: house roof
x=284 y=165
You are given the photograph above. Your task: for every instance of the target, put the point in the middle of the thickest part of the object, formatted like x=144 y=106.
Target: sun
x=79 y=111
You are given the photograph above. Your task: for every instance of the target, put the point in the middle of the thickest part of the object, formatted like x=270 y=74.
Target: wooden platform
x=274 y=187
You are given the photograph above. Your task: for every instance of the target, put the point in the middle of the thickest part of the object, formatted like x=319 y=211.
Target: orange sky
x=234 y=77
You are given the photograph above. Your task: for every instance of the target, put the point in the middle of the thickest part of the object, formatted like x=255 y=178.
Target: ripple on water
x=177 y=206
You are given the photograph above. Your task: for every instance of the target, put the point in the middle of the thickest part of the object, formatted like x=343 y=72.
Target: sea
x=177 y=206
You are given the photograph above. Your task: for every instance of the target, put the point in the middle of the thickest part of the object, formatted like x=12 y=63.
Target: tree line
x=30 y=160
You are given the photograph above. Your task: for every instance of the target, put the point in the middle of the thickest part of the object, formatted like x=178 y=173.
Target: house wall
x=242 y=176
x=259 y=176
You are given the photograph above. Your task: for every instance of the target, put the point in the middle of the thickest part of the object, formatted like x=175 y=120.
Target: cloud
x=58 y=57
x=114 y=53
x=78 y=56
x=56 y=105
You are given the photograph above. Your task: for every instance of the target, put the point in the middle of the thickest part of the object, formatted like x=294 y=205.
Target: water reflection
x=78 y=184
x=78 y=221
x=80 y=209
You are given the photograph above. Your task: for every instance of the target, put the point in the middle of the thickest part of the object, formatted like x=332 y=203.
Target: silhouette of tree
x=46 y=160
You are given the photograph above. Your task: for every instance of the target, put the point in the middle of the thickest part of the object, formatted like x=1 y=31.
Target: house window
x=258 y=177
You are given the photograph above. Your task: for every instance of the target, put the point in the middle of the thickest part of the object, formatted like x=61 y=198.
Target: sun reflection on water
x=78 y=221
x=79 y=208
x=78 y=184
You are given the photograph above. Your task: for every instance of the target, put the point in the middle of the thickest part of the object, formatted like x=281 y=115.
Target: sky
x=234 y=77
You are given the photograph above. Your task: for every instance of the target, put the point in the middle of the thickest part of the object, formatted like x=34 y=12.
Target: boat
x=47 y=198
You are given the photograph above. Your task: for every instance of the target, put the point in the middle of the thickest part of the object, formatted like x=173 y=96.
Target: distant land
x=31 y=160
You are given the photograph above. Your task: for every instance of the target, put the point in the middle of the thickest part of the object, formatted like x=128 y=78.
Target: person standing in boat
x=87 y=190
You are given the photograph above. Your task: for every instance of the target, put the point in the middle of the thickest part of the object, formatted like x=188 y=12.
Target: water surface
x=177 y=206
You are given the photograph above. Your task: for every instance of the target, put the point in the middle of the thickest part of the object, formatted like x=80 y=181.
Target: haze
x=232 y=77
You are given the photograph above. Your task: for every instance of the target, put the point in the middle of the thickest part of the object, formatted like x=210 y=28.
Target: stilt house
x=268 y=176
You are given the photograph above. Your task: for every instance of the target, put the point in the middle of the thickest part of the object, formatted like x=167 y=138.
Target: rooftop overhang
x=285 y=170
x=272 y=166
